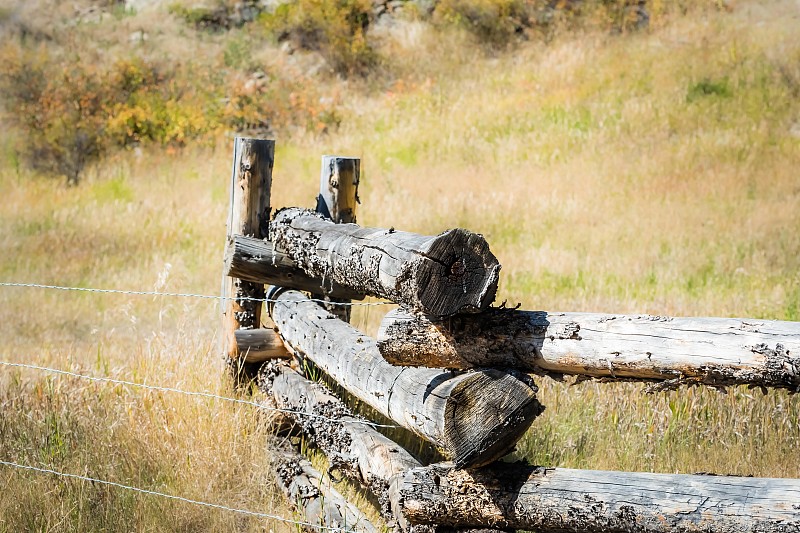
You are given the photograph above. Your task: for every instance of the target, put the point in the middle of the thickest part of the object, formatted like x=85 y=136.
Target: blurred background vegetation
x=619 y=156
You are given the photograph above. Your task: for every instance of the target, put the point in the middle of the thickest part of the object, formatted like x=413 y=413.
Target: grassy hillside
x=651 y=171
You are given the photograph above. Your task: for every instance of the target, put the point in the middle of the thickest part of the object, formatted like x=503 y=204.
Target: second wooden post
x=338 y=200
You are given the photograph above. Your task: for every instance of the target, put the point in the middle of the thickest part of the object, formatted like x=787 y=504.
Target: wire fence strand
x=173 y=497
x=183 y=294
x=200 y=394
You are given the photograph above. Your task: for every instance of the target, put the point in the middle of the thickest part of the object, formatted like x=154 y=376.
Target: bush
x=493 y=22
x=71 y=112
x=60 y=108
x=337 y=29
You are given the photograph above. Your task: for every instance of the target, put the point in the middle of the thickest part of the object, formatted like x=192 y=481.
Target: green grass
x=652 y=172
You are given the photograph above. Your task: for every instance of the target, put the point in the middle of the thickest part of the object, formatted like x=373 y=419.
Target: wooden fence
x=456 y=372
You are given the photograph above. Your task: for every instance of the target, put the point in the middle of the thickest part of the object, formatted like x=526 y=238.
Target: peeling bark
x=256 y=260
x=352 y=446
x=555 y=500
x=474 y=417
x=442 y=275
x=711 y=351
x=314 y=498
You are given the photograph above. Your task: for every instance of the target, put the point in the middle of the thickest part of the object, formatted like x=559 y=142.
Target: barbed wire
x=200 y=394
x=173 y=497
x=186 y=295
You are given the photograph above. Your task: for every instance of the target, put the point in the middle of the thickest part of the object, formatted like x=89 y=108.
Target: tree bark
x=560 y=500
x=251 y=184
x=314 y=498
x=452 y=272
x=473 y=417
x=257 y=261
x=710 y=351
x=352 y=446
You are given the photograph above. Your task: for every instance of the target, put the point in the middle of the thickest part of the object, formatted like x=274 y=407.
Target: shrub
x=708 y=87
x=493 y=22
x=71 y=112
x=337 y=29
x=60 y=108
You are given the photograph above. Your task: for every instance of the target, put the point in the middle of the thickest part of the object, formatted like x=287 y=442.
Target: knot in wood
x=458 y=268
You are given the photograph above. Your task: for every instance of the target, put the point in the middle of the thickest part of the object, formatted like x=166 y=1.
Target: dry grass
x=652 y=172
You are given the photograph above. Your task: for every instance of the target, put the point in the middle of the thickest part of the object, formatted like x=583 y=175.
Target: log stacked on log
x=474 y=417
x=353 y=447
x=442 y=275
x=256 y=260
x=431 y=372
x=314 y=497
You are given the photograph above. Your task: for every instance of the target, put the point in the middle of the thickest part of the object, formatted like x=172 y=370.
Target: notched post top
x=454 y=272
x=338 y=186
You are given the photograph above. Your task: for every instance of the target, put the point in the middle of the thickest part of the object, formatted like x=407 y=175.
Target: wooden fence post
x=338 y=200
x=251 y=182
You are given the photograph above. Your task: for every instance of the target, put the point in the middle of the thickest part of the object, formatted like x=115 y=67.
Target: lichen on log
x=438 y=275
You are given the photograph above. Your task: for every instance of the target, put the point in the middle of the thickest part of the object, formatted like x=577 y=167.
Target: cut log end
x=259 y=345
x=487 y=414
x=457 y=274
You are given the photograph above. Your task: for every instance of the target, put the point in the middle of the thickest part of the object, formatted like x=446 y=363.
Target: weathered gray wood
x=442 y=275
x=314 y=497
x=560 y=500
x=352 y=446
x=338 y=188
x=338 y=200
x=472 y=417
x=251 y=183
x=711 y=351
x=258 y=345
x=256 y=260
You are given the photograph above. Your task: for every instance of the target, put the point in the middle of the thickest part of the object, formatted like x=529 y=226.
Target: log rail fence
x=453 y=370
x=458 y=373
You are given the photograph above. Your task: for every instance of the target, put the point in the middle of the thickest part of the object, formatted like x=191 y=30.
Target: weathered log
x=352 y=446
x=552 y=500
x=258 y=345
x=256 y=260
x=338 y=200
x=711 y=351
x=314 y=497
x=442 y=275
x=251 y=184
x=472 y=417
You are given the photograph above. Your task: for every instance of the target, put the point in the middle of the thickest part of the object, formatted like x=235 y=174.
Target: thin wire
x=185 y=295
x=170 y=496
x=188 y=393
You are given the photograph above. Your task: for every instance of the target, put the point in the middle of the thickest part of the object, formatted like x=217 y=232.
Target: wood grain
x=473 y=417
x=251 y=184
x=550 y=500
x=710 y=351
x=438 y=275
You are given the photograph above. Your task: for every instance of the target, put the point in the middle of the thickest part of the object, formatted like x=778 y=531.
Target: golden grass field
x=654 y=172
